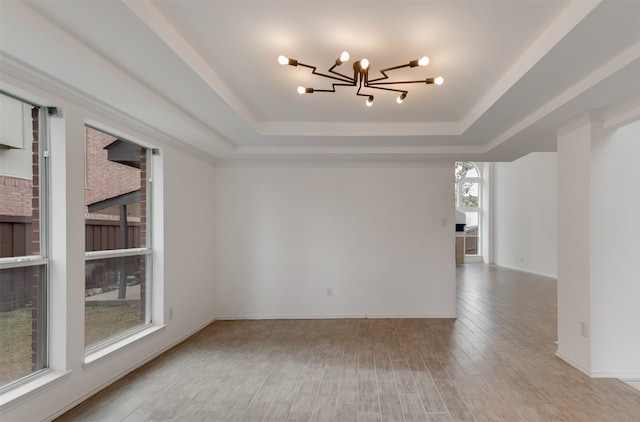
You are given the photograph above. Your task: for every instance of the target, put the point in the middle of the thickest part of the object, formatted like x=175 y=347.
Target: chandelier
x=361 y=77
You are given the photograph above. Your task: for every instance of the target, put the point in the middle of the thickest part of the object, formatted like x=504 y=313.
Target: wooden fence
x=16 y=238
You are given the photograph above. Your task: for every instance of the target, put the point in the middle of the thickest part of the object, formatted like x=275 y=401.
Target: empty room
x=320 y=210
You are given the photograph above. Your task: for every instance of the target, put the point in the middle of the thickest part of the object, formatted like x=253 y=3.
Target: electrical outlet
x=329 y=292
x=584 y=332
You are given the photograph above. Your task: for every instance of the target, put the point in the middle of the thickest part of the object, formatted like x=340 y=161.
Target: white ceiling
x=205 y=72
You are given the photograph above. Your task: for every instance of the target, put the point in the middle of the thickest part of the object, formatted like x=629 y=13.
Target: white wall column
x=488 y=200
x=598 y=249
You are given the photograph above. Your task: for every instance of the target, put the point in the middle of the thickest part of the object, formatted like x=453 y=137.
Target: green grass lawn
x=15 y=344
x=101 y=323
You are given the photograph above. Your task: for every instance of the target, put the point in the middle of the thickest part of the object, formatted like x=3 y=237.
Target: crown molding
x=622 y=115
x=626 y=57
x=370 y=129
x=15 y=74
x=570 y=17
x=167 y=31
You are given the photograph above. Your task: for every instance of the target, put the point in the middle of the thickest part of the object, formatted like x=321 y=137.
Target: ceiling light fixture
x=361 y=77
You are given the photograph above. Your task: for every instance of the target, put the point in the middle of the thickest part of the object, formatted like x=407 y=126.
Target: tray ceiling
x=205 y=72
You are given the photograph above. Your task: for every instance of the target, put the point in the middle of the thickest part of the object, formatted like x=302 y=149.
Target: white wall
x=615 y=258
x=525 y=213
x=372 y=234
x=184 y=244
x=574 y=246
x=599 y=251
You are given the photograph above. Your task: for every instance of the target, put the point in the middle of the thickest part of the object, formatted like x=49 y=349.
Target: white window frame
x=97 y=351
x=42 y=260
x=477 y=209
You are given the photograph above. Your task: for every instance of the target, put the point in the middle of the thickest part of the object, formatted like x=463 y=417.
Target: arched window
x=468 y=182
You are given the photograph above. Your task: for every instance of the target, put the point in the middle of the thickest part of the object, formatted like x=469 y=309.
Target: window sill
x=30 y=388
x=98 y=356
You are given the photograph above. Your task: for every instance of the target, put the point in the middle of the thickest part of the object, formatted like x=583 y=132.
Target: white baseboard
x=528 y=271
x=635 y=383
x=350 y=316
x=258 y=317
x=629 y=377
x=573 y=363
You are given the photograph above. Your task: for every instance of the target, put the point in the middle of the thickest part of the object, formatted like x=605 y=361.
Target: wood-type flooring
x=495 y=362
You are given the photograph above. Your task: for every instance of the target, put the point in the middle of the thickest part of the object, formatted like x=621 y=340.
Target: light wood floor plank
x=412 y=408
x=390 y=407
x=347 y=412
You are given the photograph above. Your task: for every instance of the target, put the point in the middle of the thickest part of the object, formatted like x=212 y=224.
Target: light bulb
x=283 y=60
x=344 y=56
x=439 y=80
x=364 y=64
x=301 y=90
x=423 y=61
x=369 y=101
x=401 y=98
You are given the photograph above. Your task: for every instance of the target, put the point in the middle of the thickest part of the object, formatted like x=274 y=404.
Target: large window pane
x=23 y=267
x=115 y=193
x=469 y=194
x=467 y=190
x=115 y=297
x=116 y=242
x=471 y=233
x=464 y=170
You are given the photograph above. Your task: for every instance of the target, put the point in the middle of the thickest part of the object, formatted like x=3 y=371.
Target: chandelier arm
x=388 y=89
x=395 y=67
x=313 y=71
x=359 y=88
x=333 y=87
x=384 y=72
x=372 y=85
x=340 y=74
x=358 y=91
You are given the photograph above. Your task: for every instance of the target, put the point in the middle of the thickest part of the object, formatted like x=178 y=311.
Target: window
x=467 y=190
x=23 y=241
x=117 y=244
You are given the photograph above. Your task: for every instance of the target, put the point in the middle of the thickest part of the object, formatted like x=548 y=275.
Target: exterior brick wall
x=15 y=196
x=105 y=179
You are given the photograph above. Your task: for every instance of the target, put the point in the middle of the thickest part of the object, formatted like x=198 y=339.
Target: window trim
x=105 y=351
x=21 y=262
x=116 y=253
